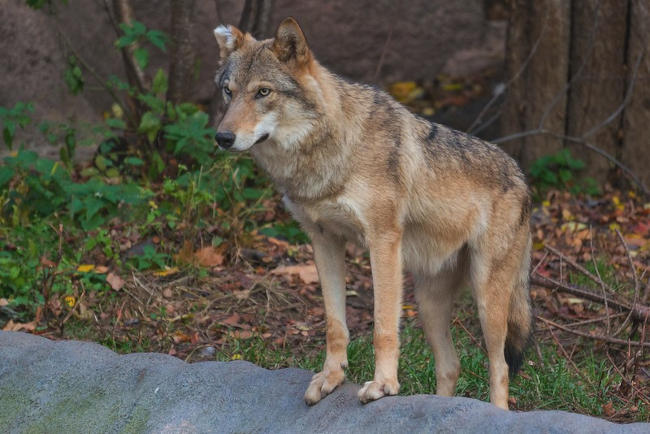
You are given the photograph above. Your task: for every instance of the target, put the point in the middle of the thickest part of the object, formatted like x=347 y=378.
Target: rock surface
x=67 y=386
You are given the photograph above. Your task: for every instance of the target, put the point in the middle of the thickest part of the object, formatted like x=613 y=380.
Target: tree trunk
x=538 y=32
x=636 y=117
x=181 y=55
x=597 y=65
x=572 y=81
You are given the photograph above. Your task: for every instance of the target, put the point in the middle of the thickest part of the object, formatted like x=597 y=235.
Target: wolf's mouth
x=261 y=139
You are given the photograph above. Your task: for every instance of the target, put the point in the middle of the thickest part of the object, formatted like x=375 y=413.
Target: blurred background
x=562 y=69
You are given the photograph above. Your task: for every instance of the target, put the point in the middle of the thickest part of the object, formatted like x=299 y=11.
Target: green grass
x=547 y=384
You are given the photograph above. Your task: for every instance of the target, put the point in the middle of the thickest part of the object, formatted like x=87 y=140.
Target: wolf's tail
x=520 y=318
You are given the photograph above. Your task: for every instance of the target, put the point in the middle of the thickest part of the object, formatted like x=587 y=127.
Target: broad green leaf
x=150 y=125
x=133 y=161
x=157 y=38
x=115 y=123
x=160 y=82
x=141 y=56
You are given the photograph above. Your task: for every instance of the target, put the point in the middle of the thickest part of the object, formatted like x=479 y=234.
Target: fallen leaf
x=17 y=326
x=179 y=337
x=101 y=269
x=208 y=257
x=4 y=302
x=242 y=295
x=47 y=263
x=166 y=272
x=167 y=293
x=306 y=272
x=232 y=320
x=115 y=281
x=85 y=268
x=608 y=409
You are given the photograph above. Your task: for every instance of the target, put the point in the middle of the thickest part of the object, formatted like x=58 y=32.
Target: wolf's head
x=267 y=86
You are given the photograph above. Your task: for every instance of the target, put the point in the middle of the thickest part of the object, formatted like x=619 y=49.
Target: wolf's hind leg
x=435 y=297
x=493 y=285
x=329 y=254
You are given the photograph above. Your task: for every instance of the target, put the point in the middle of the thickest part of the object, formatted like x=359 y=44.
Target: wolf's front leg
x=386 y=262
x=329 y=254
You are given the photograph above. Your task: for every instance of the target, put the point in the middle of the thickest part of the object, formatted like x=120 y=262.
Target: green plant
x=289 y=231
x=559 y=171
x=17 y=116
x=149 y=258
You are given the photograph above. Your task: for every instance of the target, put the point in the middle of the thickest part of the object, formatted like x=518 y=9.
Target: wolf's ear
x=290 y=43
x=229 y=38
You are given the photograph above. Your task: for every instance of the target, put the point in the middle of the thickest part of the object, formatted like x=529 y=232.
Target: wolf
x=354 y=165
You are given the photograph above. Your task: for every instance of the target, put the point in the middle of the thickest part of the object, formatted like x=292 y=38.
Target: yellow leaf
x=573 y=226
x=69 y=300
x=236 y=357
x=166 y=272
x=614 y=226
x=538 y=246
x=117 y=111
x=85 y=268
x=546 y=204
x=428 y=111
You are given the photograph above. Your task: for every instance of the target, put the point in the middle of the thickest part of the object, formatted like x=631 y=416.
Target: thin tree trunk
x=181 y=56
x=137 y=76
x=256 y=17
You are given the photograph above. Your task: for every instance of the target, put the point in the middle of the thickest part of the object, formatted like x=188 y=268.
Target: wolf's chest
x=333 y=216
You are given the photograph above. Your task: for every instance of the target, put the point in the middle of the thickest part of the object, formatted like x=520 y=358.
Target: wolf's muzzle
x=225 y=139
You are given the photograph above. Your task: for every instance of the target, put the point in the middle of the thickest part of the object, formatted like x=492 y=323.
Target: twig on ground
x=471 y=336
x=566 y=355
x=641 y=395
x=596 y=337
x=636 y=284
x=600 y=280
x=639 y=312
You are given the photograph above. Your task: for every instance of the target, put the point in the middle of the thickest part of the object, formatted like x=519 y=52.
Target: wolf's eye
x=227 y=91
x=264 y=91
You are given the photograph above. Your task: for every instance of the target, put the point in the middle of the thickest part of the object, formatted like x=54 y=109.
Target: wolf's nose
x=225 y=139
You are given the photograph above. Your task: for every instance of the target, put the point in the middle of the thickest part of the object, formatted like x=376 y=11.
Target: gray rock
x=67 y=386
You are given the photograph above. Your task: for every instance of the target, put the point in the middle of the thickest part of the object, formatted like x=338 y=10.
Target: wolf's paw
x=373 y=390
x=322 y=384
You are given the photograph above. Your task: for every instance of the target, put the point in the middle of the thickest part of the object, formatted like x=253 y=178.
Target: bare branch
x=583 y=142
x=639 y=312
x=596 y=337
x=102 y=81
x=383 y=52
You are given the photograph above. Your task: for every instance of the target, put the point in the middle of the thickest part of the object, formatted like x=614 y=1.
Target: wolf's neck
x=317 y=166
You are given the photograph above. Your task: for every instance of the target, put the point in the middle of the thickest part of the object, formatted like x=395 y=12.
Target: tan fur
x=354 y=165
